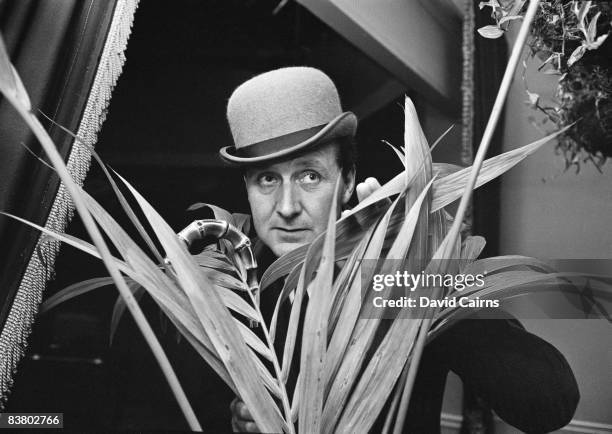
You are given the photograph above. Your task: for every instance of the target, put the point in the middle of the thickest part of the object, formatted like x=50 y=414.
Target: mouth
x=292 y=234
x=291 y=230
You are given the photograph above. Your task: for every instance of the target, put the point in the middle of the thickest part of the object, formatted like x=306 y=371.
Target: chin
x=282 y=248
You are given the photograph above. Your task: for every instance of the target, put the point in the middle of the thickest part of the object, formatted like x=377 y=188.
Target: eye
x=309 y=177
x=267 y=180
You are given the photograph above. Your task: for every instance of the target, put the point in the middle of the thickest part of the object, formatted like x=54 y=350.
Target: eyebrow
x=309 y=162
x=300 y=162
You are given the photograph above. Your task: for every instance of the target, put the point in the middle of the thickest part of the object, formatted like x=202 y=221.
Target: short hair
x=346 y=157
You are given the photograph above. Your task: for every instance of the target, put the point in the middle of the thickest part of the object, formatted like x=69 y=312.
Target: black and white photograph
x=306 y=216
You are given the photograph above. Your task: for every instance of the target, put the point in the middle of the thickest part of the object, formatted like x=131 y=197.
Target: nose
x=288 y=204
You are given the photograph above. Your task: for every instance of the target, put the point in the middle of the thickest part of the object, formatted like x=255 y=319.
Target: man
x=293 y=142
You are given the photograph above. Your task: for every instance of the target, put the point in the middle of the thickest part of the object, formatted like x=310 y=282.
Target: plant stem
x=58 y=162
x=453 y=234
x=395 y=401
x=277 y=369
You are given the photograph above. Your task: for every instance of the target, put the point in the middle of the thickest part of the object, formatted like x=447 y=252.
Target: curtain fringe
x=13 y=339
x=467 y=106
x=467 y=87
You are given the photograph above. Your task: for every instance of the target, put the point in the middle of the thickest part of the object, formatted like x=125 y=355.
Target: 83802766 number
x=34 y=420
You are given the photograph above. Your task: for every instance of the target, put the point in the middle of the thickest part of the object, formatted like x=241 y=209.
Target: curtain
x=69 y=54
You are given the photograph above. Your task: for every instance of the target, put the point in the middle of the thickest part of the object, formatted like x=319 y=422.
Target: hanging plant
x=571 y=40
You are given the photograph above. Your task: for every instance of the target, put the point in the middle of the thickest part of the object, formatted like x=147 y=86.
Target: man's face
x=290 y=200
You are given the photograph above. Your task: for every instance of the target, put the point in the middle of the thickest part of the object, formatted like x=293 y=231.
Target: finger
x=362 y=190
x=234 y=405
x=366 y=188
x=251 y=427
x=244 y=426
x=372 y=184
x=238 y=425
x=242 y=411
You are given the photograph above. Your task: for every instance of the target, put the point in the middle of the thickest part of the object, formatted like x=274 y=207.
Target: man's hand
x=364 y=189
x=242 y=421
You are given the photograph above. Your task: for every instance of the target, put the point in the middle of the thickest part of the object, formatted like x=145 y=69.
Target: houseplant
x=200 y=295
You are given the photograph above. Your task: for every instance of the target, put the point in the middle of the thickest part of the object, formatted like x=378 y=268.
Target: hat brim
x=344 y=125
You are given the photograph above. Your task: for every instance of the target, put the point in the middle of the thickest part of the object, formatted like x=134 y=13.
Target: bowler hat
x=284 y=111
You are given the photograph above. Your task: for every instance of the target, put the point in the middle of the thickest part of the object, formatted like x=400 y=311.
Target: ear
x=349 y=186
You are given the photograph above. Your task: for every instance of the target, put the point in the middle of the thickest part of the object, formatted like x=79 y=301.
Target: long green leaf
x=346 y=305
x=119 y=308
x=386 y=365
x=419 y=165
x=84 y=246
x=127 y=208
x=75 y=290
x=7 y=78
x=347 y=355
x=218 y=212
x=445 y=169
x=292 y=327
x=447 y=189
x=450 y=188
x=512 y=284
x=497 y=264
x=10 y=82
x=471 y=247
x=349 y=273
x=289 y=287
x=314 y=336
x=438 y=228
